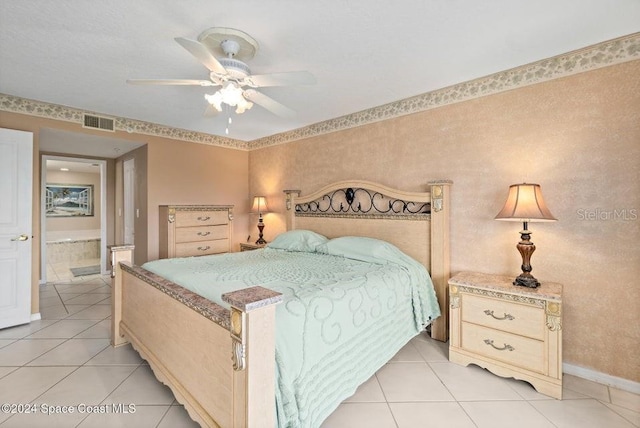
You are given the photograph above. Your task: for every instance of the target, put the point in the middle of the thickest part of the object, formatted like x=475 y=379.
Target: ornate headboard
x=415 y=222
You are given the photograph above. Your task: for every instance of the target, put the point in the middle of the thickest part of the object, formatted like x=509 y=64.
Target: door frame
x=129 y=195
x=103 y=210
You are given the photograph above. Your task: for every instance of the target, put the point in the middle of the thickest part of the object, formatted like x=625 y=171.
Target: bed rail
x=186 y=338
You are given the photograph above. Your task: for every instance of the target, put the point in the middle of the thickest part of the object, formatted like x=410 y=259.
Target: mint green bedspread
x=340 y=321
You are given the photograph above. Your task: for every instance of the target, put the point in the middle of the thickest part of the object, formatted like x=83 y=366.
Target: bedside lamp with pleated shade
x=260 y=206
x=525 y=203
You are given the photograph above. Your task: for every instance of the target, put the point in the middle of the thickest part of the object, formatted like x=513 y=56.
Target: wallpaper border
x=46 y=110
x=601 y=55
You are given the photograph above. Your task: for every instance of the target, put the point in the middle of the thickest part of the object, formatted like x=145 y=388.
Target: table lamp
x=524 y=203
x=260 y=206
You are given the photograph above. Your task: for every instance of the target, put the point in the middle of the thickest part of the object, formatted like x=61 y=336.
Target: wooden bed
x=220 y=363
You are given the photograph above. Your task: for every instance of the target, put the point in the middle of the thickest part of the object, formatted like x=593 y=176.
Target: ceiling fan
x=229 y=71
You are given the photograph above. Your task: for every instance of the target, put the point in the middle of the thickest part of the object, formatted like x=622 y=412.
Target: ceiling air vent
x=98 y=122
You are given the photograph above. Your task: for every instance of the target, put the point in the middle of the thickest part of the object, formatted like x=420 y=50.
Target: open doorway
x=85 y=150
x=73 y=218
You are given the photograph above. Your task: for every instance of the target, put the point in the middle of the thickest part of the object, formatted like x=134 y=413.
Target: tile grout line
x=63 y=304
x=112 y=391
x=623 y=416
x=164 y=415
x=386 y=400
x=451 y=393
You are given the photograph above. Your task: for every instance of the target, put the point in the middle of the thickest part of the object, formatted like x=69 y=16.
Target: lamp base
x=526 y=248
x=526 y=280
x=260 y=240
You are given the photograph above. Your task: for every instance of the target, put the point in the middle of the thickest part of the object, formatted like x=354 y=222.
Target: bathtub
x=72 y=245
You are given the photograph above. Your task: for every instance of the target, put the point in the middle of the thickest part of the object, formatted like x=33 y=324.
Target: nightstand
x=512 y=331
x=248 y=247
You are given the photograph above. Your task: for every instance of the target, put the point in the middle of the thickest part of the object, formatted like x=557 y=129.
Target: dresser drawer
x=201 y=218
x=504 y=315
x=202 y=248
x=512 y=349
x=201 y=233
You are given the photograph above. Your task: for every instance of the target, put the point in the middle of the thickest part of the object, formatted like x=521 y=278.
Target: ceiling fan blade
x=210 y=111
x=283 y=79
x=269 y=103
x=185 y=82
x=202 y=54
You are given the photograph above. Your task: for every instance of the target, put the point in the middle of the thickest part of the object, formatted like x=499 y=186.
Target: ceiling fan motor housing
x=230 y=47
x=236 y=68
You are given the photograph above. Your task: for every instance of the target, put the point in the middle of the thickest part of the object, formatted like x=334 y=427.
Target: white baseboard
x=603 y=378
x=36 y=317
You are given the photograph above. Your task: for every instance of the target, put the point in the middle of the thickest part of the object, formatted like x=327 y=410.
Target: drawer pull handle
x=505 y=317
x=504 y=348
x=204 y=248
x=204 y=218
x=203 y=233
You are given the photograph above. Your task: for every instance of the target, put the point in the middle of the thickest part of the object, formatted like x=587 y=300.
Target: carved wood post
x=253 y=341
x=290 y=207
x=119 y=254
x=440 y=268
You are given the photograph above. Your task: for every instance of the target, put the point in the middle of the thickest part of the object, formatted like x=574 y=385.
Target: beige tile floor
x=65 y=360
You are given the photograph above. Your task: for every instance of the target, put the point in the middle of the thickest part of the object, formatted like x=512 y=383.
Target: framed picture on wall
x=69 y=200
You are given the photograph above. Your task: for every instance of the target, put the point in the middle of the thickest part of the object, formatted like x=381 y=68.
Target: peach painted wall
x=578 y=137
x=196 y=174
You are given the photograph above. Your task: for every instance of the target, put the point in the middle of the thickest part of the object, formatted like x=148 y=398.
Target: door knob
x=22 y=237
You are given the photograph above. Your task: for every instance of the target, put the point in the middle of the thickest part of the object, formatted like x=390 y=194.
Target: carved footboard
x=220 y=364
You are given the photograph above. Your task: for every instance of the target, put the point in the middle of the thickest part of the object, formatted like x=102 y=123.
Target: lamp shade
x=525 y=203
x=259 y=205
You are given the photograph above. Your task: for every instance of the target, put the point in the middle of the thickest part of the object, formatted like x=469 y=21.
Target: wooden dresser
x=513 y=331
x=194 y=230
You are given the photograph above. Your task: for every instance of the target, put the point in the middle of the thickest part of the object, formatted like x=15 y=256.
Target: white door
x=129 y=172
x=16 y=191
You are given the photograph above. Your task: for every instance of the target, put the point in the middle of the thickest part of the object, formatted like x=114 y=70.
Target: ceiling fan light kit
x=230 y=94
x=223 y=51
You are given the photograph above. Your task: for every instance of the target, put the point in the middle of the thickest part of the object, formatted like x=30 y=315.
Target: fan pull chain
x=226 y=131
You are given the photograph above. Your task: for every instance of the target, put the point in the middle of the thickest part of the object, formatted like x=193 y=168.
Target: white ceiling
x=73 y=167
x=363 y=53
